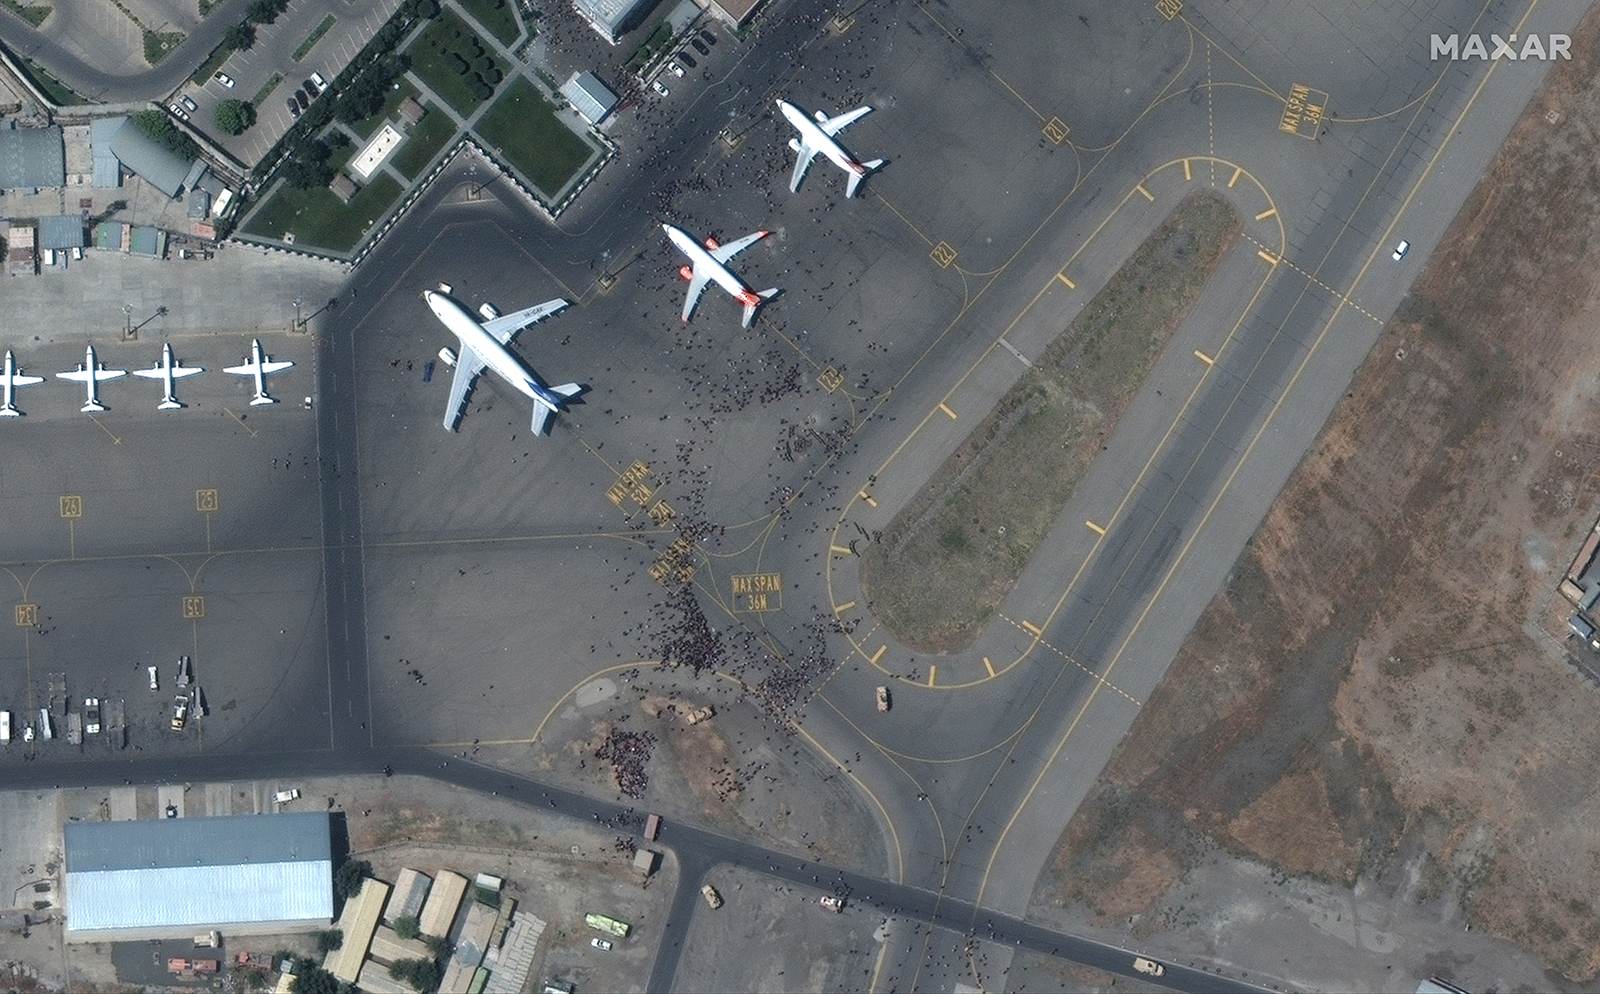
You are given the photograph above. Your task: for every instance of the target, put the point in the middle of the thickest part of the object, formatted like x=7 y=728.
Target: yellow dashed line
x=878 y=655
x=1098 y=678
x=946 y=409
x=988 y=665
x=1266 y=213
x=1094 y=528
x=1204 y=358
x=1147 y=194
x=1063 y=278
x=842 y=608
x=1336 y=294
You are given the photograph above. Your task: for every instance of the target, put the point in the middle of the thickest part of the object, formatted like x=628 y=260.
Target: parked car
x=178 y=112
x=699 y=46
x=303 y=100
x=321 y=83
x=660 y=88
x=294 y=108
x=188 y=102
x=310 y=90
x=224 y=79
x=707 y=37
x=604 y=945
x=285 y=796
x=1401 y=250
x=154 y=684
x=687 y=59
x=1149 y=967
x=712 y=897
x=675 y=69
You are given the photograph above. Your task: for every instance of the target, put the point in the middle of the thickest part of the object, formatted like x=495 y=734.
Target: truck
x=183 y=671
x=91 y=715
x=5 y=727
x=46 y=730
x=1148 y=967
x=883 y=698
x=75 y=728
x=208 y=940
x=652 y=825
x=285 y=796
x=180 y=712
x=607 y=924
x=712 y=897
x=832 y=903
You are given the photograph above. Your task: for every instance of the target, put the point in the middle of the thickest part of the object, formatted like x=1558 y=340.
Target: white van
x=44 y=724
x=5 y=727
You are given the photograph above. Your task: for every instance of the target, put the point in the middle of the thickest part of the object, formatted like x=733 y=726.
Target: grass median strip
x=424 y=142
x=267 y=88
x=949 y=557
x=314 y=37
x=34 y=14
x=523 y=127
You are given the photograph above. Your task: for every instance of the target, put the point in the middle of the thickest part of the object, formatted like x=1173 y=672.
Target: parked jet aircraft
x=484 y=343
x=168 y=370
x=817 y=136
x=259 y=366
x=710 y=264
x=90 y=372
x=10 y=378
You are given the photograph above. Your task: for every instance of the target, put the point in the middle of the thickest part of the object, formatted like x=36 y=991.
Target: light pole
x=297 y=303
x=127 y=320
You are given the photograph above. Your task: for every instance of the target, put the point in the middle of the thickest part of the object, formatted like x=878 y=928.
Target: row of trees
x=243 y=35
x=234 y=116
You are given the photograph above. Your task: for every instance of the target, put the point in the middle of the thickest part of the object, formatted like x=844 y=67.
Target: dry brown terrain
x=1379 y=698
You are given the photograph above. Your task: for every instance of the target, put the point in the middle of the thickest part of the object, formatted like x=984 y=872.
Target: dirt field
x=955 y=550
x=1380 y=699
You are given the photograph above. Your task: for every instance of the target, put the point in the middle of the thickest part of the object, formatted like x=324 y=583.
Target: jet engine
x=447 y=357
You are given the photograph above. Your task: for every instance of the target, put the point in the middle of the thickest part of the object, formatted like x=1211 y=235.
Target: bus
x=605 y=923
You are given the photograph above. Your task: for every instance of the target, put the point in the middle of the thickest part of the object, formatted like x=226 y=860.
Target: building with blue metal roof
x=173 y=877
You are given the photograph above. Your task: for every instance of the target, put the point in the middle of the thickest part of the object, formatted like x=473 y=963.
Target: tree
x=407 y=927
x=347 y=878
x=161 y=129
x=438 y=945
x=240 y=37
x=234 y=116
x=312 y=979
x=265 y=11
x=422 y=974
x=329 y=939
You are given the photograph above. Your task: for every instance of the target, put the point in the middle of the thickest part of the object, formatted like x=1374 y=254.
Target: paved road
x=697 y=849
x=155 y=83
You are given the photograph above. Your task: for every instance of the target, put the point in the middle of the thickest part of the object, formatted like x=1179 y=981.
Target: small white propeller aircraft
x=168 y=370
x=259 y=366
x=90 y=372
x=10 y=378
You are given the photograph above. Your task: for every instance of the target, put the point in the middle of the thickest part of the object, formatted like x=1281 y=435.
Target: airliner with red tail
x=709 y=264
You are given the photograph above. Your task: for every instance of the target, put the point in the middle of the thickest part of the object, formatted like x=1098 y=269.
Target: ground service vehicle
x=607 y=924
x=91 y=715
x=883 y=698
x=5 y=727
x=604 y=945
x=712 y=897
x=1149 y=967
x=180 y=712
x=830 y=902
x=285 y=796
x=153 y=684
x=652 y=826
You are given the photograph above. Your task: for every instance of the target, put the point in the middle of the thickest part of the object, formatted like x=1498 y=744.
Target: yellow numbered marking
x=72 y=506
x=27 y=615
x=1169 y=8
x=840 y=23
x=830 y=379
x=757 y=592
x=194 y=607
x=1303 y=112
x=661 y=512
x=206 y=501
x=943 y=255
x=632 y=484
x=1056 y=130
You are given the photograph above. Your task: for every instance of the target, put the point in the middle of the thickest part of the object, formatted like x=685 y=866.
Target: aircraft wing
x=697 y=286
x=84 y=375
x=722 y=253
x=17 y=379
x=541 y=419
x=834 y=125
x=505 y=327
x=153 y=373
x=803 y=156
x=468 y=366
x=179 y=372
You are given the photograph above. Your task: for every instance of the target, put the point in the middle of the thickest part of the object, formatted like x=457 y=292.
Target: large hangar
x=168 y=878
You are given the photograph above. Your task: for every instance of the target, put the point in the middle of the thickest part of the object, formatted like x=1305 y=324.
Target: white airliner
x=90 y=372
x=10 y=378
x=817 y=136
x=259 y=366
x=168 y=370
x=710 y=264
x=484 y=343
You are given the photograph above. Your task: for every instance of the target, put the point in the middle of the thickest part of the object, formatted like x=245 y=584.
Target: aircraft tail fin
x=168 y=405
x=93 y=407
x=9 y=411
x=856 y=178
x=262 y=399
x=750 y=309
x=567 y=390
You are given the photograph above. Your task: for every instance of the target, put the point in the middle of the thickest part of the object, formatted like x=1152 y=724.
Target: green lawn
x=314 y=37
x=367 y=126
x=424 y=142
x=497 y=16
x=34 y=14
x=455 y=63
x=159 y=44
x=522 y=126
x=59 y=93
x=319 y=220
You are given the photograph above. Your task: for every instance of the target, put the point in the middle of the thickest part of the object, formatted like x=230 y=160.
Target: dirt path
x=1379 y=699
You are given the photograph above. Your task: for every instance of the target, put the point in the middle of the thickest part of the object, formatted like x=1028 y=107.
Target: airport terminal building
x=175 y=877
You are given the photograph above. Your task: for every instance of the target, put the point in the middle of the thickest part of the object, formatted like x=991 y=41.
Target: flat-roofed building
x=410 y=890
x=358 y=922
x=444 y=897
x=173 y=877
x=388 y=947
x=591 y=98
x=734 y=13
x=32 y=158
x=613 y=18
x=471 y=945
